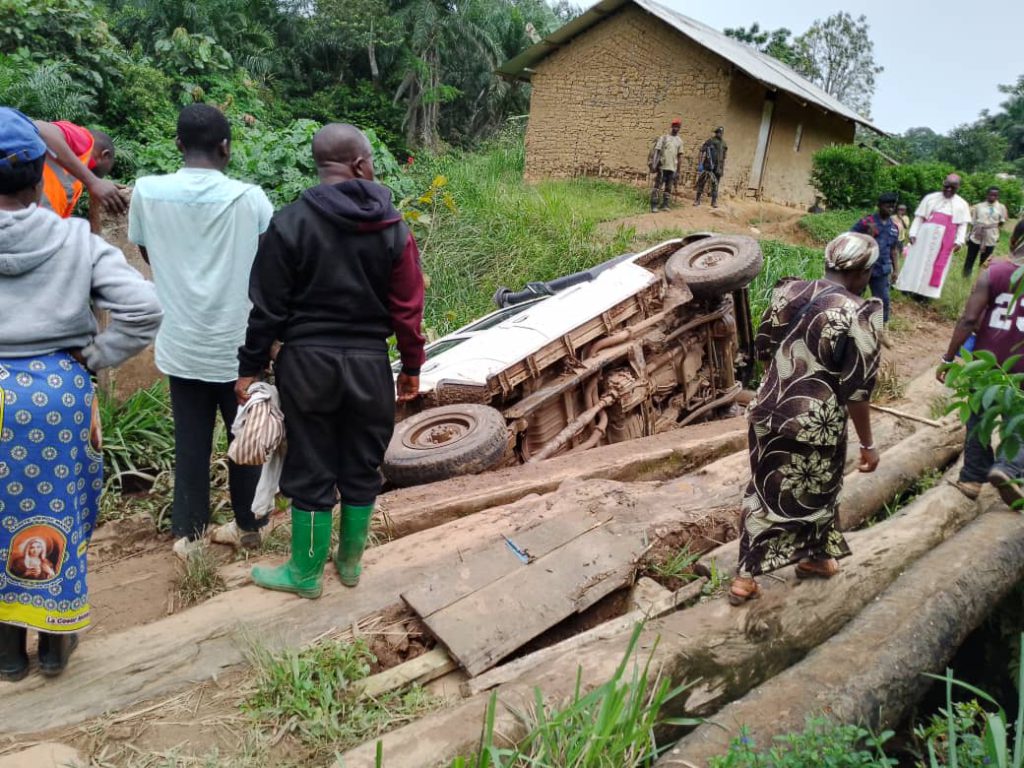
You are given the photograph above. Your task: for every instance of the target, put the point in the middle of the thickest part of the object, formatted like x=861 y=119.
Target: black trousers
x=973 y=250
x=662 y=189
x=708 y=178
x=195 y=405
x=339 y=414
x=979 y=458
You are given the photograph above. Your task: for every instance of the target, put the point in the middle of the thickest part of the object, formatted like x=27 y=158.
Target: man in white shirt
x=938 y=231
x=199 y=231
x=987 y=218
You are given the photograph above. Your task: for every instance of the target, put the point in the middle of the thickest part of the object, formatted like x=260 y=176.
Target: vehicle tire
x=445 y=442
x=715 y=265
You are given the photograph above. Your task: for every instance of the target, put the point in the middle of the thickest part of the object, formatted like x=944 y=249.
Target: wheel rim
x=711 y=256
x=439 y=431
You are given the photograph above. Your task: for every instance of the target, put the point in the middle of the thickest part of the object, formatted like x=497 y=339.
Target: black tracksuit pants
x=195 y=405
x=339 y=413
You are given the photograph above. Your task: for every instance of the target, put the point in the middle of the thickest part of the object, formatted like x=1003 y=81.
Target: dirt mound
x=733 y=216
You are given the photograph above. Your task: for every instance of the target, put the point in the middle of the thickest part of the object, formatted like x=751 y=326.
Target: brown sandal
x=743 y=589
x=817 y=569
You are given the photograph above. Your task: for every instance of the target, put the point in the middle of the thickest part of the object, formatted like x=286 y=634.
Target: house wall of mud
x=600 y=102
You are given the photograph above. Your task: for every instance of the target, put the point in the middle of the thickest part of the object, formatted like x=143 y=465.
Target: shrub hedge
x=852 y=177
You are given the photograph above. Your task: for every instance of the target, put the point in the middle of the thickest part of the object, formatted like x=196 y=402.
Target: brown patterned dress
x=821 y=344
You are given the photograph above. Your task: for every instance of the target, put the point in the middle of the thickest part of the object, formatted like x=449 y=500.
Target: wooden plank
x=488 y=624
x=669 y=602
x=647 y=592
x=422 y=669
x=493 y=559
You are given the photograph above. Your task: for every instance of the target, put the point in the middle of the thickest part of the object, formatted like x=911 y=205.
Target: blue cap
x=20 y=141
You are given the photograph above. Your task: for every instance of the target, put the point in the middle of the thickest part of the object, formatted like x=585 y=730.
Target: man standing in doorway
x=938 y=231
x=883 y=228
x=994 y=313
x=77 y=159
x=987 y=218
x=337 y=273
x=711 y=166
x=664 y=163
x=199 y=231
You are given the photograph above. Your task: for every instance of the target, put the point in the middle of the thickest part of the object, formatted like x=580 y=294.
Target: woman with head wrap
x=820 y=343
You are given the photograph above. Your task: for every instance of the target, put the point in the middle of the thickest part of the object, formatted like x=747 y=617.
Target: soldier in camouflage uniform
x=711 y=166
x=664 y=163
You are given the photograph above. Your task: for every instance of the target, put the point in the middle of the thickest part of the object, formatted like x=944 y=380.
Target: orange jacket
x=61 y=190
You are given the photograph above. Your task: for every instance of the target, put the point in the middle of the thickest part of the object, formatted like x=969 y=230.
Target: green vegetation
x=678 y=565
x=851 y=177
x=199 y=579
x=138 y=437
x=613 y=726
x=823 y=227
x=782 y=260
x=420 y=73
x=967 y=735
x=505 y=232
x=822 y=744
x=315 y=695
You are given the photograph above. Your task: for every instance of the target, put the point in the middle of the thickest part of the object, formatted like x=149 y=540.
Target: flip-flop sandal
x=741 y=590
x=817 y=569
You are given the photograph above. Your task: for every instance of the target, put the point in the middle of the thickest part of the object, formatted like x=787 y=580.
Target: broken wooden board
x=421 y=670
x=497 y=616
x=491 y=559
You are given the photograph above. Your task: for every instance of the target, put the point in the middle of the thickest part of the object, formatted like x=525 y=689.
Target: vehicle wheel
x=715 y=265
x=445 y=442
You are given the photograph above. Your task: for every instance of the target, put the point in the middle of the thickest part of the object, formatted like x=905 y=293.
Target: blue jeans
x=880 y=290
x=979 y=457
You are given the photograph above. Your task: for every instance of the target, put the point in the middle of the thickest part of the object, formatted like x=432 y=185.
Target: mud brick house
x=608 y=83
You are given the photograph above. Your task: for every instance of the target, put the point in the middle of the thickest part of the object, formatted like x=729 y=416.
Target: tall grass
x=823 y=227
x=506 y=232
x=612 y=726
x=782 y=260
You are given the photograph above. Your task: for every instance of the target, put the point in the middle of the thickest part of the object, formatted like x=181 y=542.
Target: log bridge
x=517 y=575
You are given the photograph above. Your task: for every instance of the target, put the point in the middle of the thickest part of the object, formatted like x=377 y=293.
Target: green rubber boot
x=355 y=528
x=303 y=574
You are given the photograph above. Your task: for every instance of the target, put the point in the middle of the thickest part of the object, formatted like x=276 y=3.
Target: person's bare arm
x=968 y=322
x=860 y=414
x=102 y=191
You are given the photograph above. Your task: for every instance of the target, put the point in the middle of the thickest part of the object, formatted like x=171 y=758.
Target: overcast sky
x=942 y=59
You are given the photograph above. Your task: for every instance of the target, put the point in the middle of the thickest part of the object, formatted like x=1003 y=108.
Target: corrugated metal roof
x=759 y=66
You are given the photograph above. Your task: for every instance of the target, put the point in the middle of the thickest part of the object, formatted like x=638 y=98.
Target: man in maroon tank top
x=997 y=319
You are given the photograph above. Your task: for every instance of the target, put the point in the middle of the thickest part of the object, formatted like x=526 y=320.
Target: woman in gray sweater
x=53 y=272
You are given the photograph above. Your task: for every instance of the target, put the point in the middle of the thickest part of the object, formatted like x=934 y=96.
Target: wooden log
x=421 y=670
x=670 y=454
x=730 y=650
x=870 y=673
x=902 y=465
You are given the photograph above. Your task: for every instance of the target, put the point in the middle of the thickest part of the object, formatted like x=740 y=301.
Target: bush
x=851 y=177
x=847 y=176
x=280 y=160
x=913 y=181
x=823 y=744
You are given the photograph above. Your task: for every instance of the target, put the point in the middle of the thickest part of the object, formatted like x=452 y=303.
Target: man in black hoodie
x=336 y=274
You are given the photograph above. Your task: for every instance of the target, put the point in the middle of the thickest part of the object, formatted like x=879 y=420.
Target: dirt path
x=733 y=216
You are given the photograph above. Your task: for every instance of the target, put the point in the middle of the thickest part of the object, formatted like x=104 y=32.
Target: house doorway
x=764 y=139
